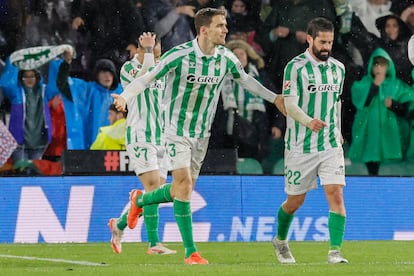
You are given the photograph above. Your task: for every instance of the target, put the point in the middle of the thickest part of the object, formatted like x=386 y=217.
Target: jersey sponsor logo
x=314 y=88
x=133 y=72
x=286 y=85
x=202 y=79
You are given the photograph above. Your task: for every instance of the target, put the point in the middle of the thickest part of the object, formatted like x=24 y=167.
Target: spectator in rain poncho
x=380 y=130
x=30 y=121
x=86 y=103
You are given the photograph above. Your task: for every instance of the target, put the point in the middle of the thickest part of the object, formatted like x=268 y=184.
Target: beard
x=319 y=55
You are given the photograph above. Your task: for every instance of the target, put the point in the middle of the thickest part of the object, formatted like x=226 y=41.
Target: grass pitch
x=243 y=258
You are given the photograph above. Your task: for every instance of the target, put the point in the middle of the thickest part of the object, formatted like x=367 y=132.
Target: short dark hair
x=319 y=24
x=203 y=17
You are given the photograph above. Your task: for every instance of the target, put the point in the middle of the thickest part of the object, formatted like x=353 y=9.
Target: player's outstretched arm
x=255 y=87
x=137 y=86
x=252 y=85
x=280 y=104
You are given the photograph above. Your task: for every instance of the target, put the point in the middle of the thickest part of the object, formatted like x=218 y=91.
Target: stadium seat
x=353 y=168
x=396 y=169
x=279 y=167
x=249 y=166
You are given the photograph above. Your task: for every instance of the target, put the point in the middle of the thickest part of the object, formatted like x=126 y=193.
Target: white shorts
x=302 y=169
x=146 y=157
x=186 y=152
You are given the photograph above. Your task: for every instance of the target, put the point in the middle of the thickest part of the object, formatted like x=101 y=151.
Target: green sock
x=151 y=223
x=184 y=218
x=336 y=225
x=160 y=195
x=123 y=221
x=283 y=223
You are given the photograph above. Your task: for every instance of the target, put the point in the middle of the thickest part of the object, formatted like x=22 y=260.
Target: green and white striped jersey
x=145 y=116
x=318 y=86
x=194 y=81
x=193 y=84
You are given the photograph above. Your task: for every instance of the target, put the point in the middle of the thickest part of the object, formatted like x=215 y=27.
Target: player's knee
x=337 y=196
x=183 y=187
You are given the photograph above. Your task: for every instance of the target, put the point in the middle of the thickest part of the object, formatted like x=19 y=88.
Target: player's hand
x=316 y=125
x=280 y=104
x=147 y=40
x=119 y=102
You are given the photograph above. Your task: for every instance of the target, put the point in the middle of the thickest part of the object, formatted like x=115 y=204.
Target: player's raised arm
x=136 y=87
x=147 y=41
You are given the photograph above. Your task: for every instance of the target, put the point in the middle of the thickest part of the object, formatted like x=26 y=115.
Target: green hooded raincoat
x=378 y=134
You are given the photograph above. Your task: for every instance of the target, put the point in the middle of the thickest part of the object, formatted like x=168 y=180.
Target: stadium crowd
x=63 y=102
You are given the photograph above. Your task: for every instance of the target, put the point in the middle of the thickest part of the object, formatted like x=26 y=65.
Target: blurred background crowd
x=65 y=103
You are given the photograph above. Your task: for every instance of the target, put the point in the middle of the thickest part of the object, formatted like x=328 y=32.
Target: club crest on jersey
x=203 y=79
x=311 y=77
x=286 y=85
x=217 y=65
x=192 y=64
x=335 y=75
